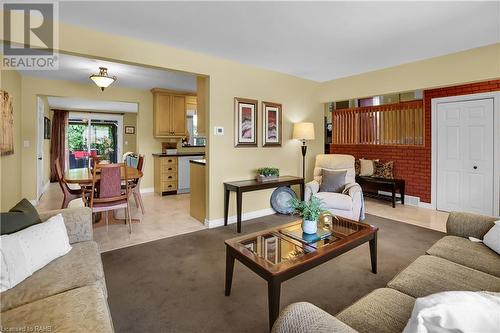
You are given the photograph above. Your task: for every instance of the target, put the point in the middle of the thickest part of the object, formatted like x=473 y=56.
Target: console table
x=382 y=184
x=252 y=185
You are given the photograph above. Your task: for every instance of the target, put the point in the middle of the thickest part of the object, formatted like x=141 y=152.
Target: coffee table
x=277 y=257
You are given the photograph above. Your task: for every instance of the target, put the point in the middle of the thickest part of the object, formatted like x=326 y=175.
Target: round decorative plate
x=280 y=200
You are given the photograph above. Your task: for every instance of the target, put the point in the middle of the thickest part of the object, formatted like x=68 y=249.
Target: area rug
x=177 y=284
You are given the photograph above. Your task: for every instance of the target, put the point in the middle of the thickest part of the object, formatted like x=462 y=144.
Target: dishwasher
x=183 y=173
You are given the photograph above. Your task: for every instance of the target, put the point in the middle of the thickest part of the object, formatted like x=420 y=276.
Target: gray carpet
x=177 y=284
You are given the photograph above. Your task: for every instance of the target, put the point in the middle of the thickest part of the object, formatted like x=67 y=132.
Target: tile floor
x=168 y=216
x=165 y=216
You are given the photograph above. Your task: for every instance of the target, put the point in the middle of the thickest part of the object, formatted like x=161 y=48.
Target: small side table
x=252 y=185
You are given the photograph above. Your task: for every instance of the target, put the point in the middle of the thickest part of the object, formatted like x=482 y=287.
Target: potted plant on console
x=267 y=174
x=310 y=211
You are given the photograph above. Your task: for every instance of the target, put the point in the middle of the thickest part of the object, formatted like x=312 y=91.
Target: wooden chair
x=69 y=193
x=136 y=184
x=107 y=193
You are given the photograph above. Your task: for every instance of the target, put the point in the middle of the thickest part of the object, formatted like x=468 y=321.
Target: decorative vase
x=309 y=226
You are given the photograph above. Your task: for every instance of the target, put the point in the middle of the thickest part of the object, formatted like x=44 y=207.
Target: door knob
x=475 y=167
x=40 y=158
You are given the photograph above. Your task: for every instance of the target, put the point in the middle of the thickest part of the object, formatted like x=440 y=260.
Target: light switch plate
x=218 y=130
x=26 y=143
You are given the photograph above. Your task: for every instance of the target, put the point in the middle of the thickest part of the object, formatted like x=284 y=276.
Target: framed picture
x=129 y=129
x=245 y=119
x=7 y=125
x=272 y=124
x=46 y=128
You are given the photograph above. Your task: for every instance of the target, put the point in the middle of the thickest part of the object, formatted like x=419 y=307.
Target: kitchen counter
x=178 y=154
x=200 y=161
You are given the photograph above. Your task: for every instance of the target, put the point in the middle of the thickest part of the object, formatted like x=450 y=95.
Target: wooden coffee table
x=277 y=257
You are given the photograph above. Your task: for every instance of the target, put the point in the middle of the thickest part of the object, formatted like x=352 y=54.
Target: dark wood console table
x=371 y=186
x=252 y=185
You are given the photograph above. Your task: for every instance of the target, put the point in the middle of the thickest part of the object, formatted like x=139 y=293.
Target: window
x=395 y=124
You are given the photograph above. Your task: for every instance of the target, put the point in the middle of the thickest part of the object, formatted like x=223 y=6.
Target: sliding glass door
x=91 y=134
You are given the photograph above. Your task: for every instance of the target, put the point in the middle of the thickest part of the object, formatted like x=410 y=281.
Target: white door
x=465 y=156
x=39 y=148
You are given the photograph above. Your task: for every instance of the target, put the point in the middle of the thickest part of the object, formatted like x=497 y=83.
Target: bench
x=371 y=187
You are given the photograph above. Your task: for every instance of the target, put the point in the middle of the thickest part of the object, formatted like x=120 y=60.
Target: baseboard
x=411 y=200
x=426 y=205
x=147 y=190
x=214 y=223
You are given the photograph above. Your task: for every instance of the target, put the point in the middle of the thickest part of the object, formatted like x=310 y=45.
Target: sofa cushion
x=383 y=310
x=335 y=200
x=19 y=217
x=467 y=253
x=80 y=267
x=428 y=275
x=79 y=310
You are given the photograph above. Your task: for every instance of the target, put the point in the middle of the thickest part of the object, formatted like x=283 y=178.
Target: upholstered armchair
x=349 y=203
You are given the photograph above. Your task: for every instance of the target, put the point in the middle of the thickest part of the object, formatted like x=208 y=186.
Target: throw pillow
x=383 y=170
x=26 y=251
x=357 y=167
x=21 y=216
x=492 y=238
x=333 y=181
x=366 y=167
x=455 y=311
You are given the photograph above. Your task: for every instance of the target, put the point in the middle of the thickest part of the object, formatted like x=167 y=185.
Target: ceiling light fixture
x=102 y=80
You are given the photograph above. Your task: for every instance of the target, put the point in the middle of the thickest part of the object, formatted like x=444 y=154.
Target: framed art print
x=245 y=117
x=129 y=130
x=271 y=124
x=7 y=126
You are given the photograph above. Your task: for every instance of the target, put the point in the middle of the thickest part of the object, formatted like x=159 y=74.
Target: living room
x=152 y=286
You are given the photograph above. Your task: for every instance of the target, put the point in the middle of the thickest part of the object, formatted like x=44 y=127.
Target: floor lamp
x=303 y=132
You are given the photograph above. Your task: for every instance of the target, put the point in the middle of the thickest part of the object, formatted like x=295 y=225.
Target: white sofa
x=347 y=204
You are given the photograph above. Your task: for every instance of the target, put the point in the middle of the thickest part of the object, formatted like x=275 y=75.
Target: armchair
x=349 y=203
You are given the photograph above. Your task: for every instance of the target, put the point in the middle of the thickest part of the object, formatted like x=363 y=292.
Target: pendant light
x=102 y=80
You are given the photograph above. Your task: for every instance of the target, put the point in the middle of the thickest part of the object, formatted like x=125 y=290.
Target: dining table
x=83 y=177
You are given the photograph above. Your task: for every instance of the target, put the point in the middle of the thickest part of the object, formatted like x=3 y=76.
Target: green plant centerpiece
x=310 y=212
x=267 y=174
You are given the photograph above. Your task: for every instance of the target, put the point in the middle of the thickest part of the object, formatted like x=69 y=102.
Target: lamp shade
x=303 y=131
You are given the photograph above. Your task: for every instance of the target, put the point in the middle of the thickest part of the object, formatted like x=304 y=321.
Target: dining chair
x=107 y=192
x=68 y=192
x=136 y=185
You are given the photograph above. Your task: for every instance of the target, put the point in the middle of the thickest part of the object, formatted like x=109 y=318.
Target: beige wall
x=227 y=80
x=468 y=66
x=129 y=140
x=33 y=87
x=10 y=182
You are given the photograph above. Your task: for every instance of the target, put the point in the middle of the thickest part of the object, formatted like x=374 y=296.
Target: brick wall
x=413 y=164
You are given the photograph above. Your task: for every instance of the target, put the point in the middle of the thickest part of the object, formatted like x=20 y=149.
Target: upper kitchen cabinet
x=169 y=112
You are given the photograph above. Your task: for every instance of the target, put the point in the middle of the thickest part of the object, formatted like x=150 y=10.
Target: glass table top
x=288 y=243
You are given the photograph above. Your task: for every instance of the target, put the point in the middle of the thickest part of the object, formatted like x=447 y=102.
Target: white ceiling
x=78 y=69
x=315 y=40
x=81 y=104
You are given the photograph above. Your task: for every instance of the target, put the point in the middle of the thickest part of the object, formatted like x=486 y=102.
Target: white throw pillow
x=455 y=311
x=366 y=168
x=26 y=251
x=492 y=238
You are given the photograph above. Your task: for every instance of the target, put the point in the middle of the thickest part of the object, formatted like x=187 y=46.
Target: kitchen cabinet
x=165 y=174
x=169 y=113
